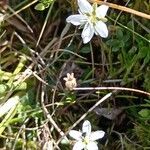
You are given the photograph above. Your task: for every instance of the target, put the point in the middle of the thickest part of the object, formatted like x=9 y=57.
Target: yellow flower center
x=86 y=140
x=93 y=16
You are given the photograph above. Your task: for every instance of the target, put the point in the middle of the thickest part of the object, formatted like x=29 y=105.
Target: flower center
x=86 y=140
x=93 y=16
x=93 y=19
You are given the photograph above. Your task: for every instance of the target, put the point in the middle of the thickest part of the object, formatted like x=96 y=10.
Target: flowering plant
x=86 y=139
x=92 y=18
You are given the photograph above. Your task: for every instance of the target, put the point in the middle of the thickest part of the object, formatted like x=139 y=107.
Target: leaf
x=147 y=58
x=119 y=34
x=143 y=52
x=40 y=7
x=125 y=38
x=144 y=113
x=3 y=88
x=115 y=49
x=85 y=49
x=133 y=50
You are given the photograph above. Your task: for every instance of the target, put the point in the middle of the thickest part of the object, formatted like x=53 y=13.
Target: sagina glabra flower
x=86 y=139
x=92 y=18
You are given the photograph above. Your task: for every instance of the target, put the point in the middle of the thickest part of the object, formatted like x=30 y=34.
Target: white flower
x=86 y=139
x=93 y=19
x=70 y=81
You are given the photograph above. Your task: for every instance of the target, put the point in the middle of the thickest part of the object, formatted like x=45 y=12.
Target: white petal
x=101 y=29
x=84 y=6
x=87 y=33
x=76 y=135
x=92 y=146
x=78 y=146
x=86 y=127
x=96 y=135
x=101 y=11
x=76 y=19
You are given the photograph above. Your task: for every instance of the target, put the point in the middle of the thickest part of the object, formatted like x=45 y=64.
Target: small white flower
x=86 y=139
x=70 y=81
x=93 y=19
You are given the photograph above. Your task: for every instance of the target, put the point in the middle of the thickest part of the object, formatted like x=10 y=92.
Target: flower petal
x=86 y=127
x=101 y=29
x=87 y=34
x=92 y=146
x=76 y=135
x=84 y=6
x=76 y=19
x=96 y=135
x=102 y=10
x=78 y=146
